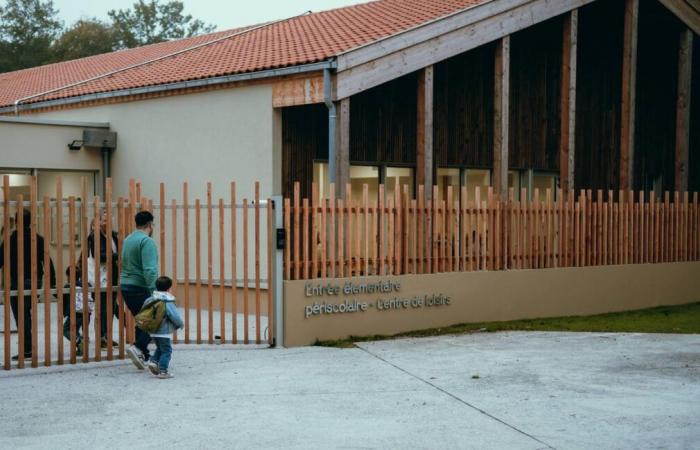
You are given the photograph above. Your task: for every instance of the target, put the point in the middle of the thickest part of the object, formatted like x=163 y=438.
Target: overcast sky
x=222 y=13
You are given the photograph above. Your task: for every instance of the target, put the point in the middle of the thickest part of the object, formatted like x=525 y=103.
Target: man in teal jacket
x=138 y=279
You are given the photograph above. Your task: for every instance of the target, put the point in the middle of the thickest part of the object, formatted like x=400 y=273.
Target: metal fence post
x=278 y=271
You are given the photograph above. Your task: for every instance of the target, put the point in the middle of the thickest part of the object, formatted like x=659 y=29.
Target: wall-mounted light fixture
x=75 y=145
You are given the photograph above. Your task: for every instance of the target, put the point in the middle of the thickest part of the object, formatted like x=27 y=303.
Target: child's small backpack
x=151 y=316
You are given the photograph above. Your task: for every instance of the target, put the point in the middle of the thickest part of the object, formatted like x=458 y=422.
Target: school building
x=507 y=93
x=395 y=106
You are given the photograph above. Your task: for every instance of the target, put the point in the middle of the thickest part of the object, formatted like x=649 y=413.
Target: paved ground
x=501 y=391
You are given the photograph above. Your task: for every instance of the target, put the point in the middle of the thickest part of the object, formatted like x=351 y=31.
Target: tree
x=27 y=29
x=86 y=37
x=150 y=22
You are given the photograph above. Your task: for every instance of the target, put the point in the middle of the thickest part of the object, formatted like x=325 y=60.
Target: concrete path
x=500 y=391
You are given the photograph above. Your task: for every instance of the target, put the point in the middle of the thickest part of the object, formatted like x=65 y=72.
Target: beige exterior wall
x=44 y=147
x=489 y=296
x=218 y=136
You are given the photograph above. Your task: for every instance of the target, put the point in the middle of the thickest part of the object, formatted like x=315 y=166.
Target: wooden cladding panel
x=694 y=150
x=383 y=123
x=657 y=80
x=598 y=97
x=463 y=109
x=304 y=138
x=536 y=55
x=297 y=91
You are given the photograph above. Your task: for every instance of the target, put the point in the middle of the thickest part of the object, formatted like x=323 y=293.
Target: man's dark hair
x=26 y=218
x=163 y=284
x=143 y=218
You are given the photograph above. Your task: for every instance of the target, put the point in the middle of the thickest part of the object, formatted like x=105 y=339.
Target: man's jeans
x=134 y=297
x=164 y=351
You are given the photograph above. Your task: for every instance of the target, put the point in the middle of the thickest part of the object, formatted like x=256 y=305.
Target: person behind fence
x=138 y=279
x=159 y=316
x=27 y=276
x=103 y=263
x=79 y=310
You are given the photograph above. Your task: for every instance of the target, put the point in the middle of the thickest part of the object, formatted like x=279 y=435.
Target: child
x=78 y=310
x=162 y=337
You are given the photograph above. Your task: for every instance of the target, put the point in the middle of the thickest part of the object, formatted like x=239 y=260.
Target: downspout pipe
x=328 y=99
x=106 y=168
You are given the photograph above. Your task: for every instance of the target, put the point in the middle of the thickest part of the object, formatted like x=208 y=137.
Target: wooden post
x=685 y=63
x=629 y=83
x=424 y=131
x=501 y=117
x=6 y=272
x=568 y=101
x=342 y=152
x=186 y=258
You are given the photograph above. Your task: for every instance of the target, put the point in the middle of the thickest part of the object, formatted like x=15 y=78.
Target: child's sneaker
x=153 y=367
x=164 y=374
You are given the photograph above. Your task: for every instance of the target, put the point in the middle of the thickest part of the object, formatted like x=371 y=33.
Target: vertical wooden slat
x=666 y=228
x=390 y=237
x=305 y=242
x=109 y=255
x=436 y=226
x=222 y=275
x=380 y=235
x=477 y=237
x=71 y=279
x=6 y=272
x=245 y=271
x=405 y=219
x=549 y=240
x=83 y=263
x=34 y=279
x=96 y=271
x=323 y=237
x=257 y=262
x=536 y=224
x=414 y=237
x=332 y=230
x=46 y=210
x=161 y=228
x=198 y=270
x=20 y=276
x=676 y=226
x=122 y=313
x=210 y=269
x=287 y=243
x=270 y=248
x=186 y=257
x=296 y=236
x=341 y=239
x=173 y=252
x=463 y=229
x=449 y=229
x=421 y=229
x=365 y=209
x=234 y=265
x=654 y=217
x=629 y=82
x=314 y=230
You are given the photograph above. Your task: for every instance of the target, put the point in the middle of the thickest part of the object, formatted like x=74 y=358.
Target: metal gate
x=220 y=250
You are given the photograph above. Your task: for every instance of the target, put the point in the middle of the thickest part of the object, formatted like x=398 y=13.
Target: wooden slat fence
x=63 y=226
x=455 y=231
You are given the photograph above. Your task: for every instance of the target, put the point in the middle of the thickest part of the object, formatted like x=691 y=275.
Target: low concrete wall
x=413 y=302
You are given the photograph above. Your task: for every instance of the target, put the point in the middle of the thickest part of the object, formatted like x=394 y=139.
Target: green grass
x=661 y=319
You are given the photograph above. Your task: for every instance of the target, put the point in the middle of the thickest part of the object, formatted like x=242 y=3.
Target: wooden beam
x=424 y=134
x=567 y=145
x=629 y=87
x=685 y=63
x=342 y=143
x=687 y=11
x=387 y=59
x=501 y=111
x=299 y=90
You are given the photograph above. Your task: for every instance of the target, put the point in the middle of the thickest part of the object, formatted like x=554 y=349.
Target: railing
x=237 y=240
x=398 y=234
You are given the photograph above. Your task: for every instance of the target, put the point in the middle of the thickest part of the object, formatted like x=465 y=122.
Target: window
x=398 y=177
x=543 y=181
x=514 y=183
x=477 y=177
x=361 y=175
x=447 y=177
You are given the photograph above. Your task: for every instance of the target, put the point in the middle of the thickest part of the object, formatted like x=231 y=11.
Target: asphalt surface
x=514 y=390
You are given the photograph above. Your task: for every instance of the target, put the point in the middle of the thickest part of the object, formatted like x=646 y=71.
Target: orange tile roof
x=301 y=40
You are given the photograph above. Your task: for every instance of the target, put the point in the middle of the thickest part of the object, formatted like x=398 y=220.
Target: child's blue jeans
x=164 y=351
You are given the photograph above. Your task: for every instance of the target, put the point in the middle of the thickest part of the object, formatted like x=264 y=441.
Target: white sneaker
x=164 y=375
x=153 y=367
x=136 y=357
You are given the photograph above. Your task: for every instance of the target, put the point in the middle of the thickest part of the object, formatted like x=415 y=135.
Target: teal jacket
x=139 y=261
